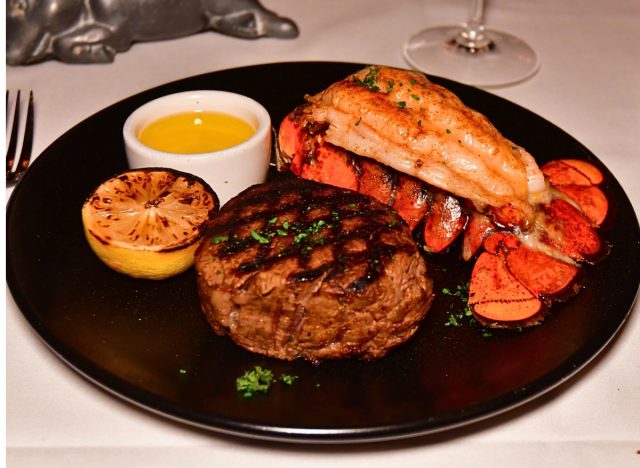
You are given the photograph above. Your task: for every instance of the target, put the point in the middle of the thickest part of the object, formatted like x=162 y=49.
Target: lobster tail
x=534 y=234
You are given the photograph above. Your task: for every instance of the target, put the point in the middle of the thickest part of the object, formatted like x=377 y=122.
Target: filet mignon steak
x=295 y=268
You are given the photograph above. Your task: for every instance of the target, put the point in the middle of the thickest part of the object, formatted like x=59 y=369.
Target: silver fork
x=15 y=174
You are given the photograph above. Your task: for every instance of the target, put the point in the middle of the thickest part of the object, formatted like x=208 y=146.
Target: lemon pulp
x=195 y=132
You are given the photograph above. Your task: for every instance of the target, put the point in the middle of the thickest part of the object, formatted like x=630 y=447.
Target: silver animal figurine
x=93 y=31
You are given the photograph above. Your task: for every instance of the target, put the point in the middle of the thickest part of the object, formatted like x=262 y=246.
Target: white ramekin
x=227 y=171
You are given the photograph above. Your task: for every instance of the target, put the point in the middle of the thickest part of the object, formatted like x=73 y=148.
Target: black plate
x=148 y=342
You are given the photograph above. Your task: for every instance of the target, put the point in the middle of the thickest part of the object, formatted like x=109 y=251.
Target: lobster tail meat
x=413 y=145
x=419 y=128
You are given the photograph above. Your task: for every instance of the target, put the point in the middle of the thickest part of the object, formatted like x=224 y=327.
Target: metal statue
x=93 y=31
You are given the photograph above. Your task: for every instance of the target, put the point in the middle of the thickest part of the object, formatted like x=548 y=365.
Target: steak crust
x=297 y=269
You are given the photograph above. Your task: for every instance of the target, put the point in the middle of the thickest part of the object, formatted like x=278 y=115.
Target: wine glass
x=471 y=54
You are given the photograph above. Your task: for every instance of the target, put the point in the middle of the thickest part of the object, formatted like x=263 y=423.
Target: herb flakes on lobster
x=414 y=145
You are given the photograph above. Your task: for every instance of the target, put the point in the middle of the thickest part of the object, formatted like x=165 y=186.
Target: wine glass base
x=507 y=61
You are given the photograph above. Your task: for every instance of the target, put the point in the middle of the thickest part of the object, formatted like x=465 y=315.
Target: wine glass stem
x=472 y=37
x=477 y=12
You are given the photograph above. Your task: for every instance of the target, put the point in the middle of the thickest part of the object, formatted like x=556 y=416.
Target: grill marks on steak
x=325 y=230
x=300 y=269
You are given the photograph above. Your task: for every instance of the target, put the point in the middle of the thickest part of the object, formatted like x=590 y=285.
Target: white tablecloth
x=588 y=84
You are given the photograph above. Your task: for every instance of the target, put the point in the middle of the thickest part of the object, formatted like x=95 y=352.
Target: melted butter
x=195 y=132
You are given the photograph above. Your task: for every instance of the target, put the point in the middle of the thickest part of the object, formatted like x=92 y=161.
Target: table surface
x=587 y=85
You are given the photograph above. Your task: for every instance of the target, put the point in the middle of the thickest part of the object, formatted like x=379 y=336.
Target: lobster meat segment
x=541 y=274
x=444 y=222
x=444 y=167
x=378 y=182
x=572 y=172
x=590 y=199
x=490 y=276
x=331 y=166
x=411 y=199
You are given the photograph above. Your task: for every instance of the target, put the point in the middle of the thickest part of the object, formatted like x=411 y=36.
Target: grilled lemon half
x=148 y=223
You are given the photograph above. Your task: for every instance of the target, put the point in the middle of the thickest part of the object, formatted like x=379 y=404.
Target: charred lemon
x=148 y=223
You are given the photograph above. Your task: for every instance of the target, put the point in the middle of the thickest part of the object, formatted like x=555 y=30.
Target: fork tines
x=13 y=175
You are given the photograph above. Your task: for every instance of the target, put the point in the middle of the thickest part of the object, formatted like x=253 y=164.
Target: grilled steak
x=295 y=268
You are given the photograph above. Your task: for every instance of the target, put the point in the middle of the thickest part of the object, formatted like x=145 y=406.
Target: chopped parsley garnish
x=412 y=81
x=303 y=234
x=299 y=237
x=402 y=104
x=219 y=239
x=288 y=379
x=358 y=122
x=460 y=313
x=259 y=380
x=456 y=317
x=391 y=84
x=317 y=226
x=416 y=97
x=370 y=80
x=452 y=320
x=462 y=290
x=260 y=238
